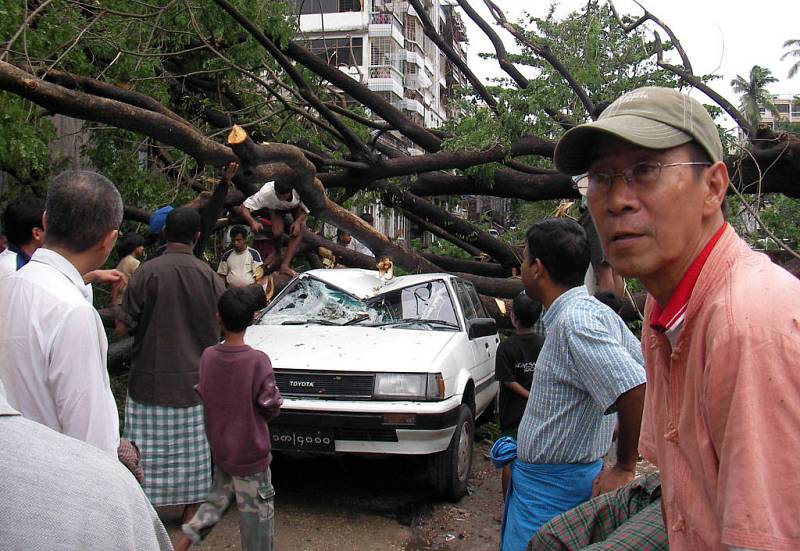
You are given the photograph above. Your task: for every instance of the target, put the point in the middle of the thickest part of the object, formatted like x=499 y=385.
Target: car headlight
x=409 y=386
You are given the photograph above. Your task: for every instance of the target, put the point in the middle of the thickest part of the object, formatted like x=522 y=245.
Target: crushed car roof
x=367 y=283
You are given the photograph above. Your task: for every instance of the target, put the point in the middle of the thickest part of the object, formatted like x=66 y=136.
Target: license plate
x=302 y=439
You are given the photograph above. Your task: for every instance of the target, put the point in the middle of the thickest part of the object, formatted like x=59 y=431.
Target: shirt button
x=678 y=525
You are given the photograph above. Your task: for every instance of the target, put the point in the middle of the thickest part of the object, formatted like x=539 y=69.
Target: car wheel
x=449 y=470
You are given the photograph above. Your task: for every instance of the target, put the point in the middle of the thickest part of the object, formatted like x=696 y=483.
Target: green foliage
x=24 y=140
x=138 y=46
x=778 y=213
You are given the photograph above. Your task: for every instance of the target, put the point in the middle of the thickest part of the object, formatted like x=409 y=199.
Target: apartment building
x=381 y=43
x=788 y=109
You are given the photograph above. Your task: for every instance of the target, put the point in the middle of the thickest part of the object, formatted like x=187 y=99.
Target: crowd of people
x=709 y=396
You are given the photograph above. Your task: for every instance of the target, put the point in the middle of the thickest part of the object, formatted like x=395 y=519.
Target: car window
x=429 y=301
x=476 y=300
x=310 y=300
x=464 y=300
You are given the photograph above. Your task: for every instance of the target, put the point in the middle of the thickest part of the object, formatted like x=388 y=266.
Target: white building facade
x=381 y=43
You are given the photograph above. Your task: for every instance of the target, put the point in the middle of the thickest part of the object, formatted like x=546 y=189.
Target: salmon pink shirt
x=722 y=410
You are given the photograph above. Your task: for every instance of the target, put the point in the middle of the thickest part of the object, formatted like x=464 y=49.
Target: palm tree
x=754 y=93
x=794 y=52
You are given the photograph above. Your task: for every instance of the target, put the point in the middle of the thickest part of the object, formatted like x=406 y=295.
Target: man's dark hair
x=82 y=207
x=283 y=188
x=183 y=224
x=128 y=244
x=561 y=245
x=236 y=307
x=610 y=299
x=526 y=309
x=238 y=230
x=20 y=217
x=367 y=217
x=340 y=232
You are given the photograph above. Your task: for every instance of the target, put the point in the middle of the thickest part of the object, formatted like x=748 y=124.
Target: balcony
x=413 y=105
x=385 y=78
x=385 y=24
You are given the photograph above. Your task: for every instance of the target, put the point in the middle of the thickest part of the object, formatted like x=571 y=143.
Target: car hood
x=367 y=349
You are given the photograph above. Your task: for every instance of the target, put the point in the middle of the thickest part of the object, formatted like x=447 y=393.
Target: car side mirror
x=481 y=327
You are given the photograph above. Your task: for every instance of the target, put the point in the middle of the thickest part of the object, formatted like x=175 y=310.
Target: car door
x=483 y=348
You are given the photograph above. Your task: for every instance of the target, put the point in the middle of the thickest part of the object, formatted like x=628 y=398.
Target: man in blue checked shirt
x=589 y=377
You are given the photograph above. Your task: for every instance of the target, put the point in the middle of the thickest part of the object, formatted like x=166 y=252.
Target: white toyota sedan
x=368 y=365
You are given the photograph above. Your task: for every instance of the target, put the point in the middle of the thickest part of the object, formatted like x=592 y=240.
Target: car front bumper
x=397 y=428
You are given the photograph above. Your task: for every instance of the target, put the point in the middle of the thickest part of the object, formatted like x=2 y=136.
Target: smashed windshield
x=425 y=306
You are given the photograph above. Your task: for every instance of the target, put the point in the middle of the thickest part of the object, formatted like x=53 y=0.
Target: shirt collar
x=58 y=262
x=671 y=316
x=558 y=305
x=22 y=256
x=179 y=248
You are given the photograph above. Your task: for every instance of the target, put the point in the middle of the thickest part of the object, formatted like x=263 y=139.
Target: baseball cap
x=159 y=219
x=650 y=117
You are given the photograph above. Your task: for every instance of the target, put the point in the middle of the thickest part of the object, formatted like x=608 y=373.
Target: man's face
x=285 y=196
x=240 y=243
x=345 y=238
x=652 y=232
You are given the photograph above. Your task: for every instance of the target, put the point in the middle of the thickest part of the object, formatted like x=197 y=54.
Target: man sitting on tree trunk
x=279 y=199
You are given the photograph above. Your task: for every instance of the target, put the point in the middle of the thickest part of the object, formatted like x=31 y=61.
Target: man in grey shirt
x=62 y=494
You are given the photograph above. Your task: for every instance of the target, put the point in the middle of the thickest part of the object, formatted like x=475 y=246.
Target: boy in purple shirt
x=239 y=396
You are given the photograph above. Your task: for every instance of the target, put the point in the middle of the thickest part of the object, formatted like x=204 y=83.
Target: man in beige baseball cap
x=720 y=335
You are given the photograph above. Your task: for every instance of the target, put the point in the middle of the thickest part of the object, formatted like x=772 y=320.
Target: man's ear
x=716 y=181
x=109 y=240
x=37 y=234
x=538 y=268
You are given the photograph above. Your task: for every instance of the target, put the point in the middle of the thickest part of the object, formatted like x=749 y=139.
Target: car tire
x=450 y=469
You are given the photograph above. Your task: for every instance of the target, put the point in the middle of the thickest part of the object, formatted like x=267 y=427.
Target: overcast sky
x=720 y=37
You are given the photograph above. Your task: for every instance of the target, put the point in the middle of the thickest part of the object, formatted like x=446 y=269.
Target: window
x=338 y=51
x=349 y=5
x=464 y=300
x=410 y=28
x=476 y=300
x=783 y=108
x=380 y=49
x=327 y=6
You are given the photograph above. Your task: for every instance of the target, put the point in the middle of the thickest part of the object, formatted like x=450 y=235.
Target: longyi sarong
x=176 y=458
x=626 y=519
x=539 y=492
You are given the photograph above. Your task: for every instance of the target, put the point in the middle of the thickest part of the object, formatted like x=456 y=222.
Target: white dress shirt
x=53 y=352
x=8 y=263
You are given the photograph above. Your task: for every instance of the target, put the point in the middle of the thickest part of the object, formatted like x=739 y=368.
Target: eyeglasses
x=643 y=174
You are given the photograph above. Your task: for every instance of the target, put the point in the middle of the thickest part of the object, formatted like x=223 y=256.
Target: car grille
x=316 y=384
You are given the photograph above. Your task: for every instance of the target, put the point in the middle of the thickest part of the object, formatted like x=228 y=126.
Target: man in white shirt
x=238 y=265
x=54 y=346
x=22 y=221
x=278 y=198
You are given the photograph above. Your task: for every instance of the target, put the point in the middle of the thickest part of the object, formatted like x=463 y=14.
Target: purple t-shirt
x=239 y=396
